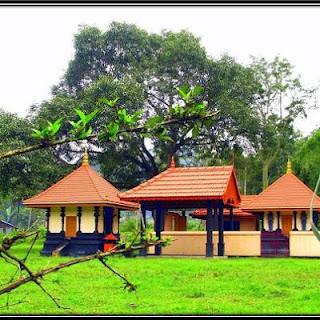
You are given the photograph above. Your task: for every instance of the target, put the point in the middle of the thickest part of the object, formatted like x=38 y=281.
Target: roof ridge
x=88 y=168
x=55 y=184
x=300 y=181
x=267 y=188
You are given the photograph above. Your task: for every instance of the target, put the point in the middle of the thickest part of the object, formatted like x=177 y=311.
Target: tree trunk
x=265 y=174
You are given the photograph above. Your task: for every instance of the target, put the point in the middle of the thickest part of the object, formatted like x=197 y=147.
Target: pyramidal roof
x=288 y=192
x=84 y=186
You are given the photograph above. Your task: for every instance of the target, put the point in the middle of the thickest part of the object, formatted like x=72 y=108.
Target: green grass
x=171 y=286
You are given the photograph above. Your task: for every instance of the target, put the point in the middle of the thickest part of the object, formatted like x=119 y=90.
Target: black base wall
x=83 y=244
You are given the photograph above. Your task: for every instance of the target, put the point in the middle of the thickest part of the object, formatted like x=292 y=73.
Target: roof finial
x=85 y=159
x=289 y=167
x=172 y=162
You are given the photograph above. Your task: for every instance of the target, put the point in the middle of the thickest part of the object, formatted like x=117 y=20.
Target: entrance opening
x=286 y=222
x=71 y=226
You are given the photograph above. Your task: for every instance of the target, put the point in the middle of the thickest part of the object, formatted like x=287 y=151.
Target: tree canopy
x=126 y=72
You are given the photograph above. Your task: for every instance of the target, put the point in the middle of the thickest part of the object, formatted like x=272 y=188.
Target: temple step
x=274 y=244
x=59 y=248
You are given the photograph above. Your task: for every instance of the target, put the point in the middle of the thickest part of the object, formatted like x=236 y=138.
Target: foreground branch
x=46 y=144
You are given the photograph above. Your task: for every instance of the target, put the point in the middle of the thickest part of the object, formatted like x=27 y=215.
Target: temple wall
x=304 y=244
x=193 y=243
x=247 y=224
x=55 y=220
x=275 y=223
x=87 y=219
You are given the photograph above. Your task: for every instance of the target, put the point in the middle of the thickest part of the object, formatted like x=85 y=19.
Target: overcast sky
x=36 y=43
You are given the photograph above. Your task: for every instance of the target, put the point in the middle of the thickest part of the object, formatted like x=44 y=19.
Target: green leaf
x=197 y=90
x=81 y=115
x=195 y=130
x=152 y=122
x=110 y=103
x=112 y=130
x=36 y=133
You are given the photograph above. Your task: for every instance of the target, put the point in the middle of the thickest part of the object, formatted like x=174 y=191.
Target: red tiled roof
x=245 y=199
x=192 y=183
x=288 y=192
x=84 y=186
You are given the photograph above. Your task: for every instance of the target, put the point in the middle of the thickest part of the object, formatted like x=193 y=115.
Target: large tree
x=146 y=69
x=280 y=100
x=25 y=175
x=306 y=159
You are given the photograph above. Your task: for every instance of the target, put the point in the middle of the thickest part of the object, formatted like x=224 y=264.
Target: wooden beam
x=215 y=216
x=231 y=219
x=262 y=221
x=278 y=220
x=158 y=223
x=62 y=214
x=48 y=218
x=143 y=251
x=108 y=219
x=79 y=214
x=221 y=230
x=209 y=227
x=96 y=219
x=295 y=221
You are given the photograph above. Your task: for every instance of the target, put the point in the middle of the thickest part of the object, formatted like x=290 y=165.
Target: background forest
x=254 y=129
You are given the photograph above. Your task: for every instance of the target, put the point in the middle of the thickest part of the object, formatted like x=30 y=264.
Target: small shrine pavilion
x=213 y=188
x=81 y=210
x=282 y=207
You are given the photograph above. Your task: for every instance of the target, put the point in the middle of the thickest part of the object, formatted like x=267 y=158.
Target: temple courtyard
x=170 y=285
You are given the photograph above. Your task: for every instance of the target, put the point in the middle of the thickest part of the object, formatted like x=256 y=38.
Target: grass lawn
x=171 y=286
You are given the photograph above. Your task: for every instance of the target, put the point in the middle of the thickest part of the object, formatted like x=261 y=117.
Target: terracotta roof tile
x=187 y=183
x=82 y=186
x=288 y=192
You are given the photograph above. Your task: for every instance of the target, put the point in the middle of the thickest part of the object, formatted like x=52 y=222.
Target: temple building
x=275 y=222
x=83 y=213
x=213 y=188
x=82 y=209
x=281 y=210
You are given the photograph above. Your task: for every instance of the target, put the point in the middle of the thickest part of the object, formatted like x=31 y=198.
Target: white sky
x=36 y=43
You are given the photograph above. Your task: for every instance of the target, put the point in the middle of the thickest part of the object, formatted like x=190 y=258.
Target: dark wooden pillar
x=79 y=214
x=313 y=219
x=209 y=227
x=96 y=219
x=295 y=221
x=118 y=233
x=278 y=220
x=316 y=218
x=158 y=225
x=108 y=219
x=221 y=230
x=62 y=215
x=262 y=221
x=143 y=252
x=215 y=216
x=48 y=218
x=303 y=221
x=231 y=219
